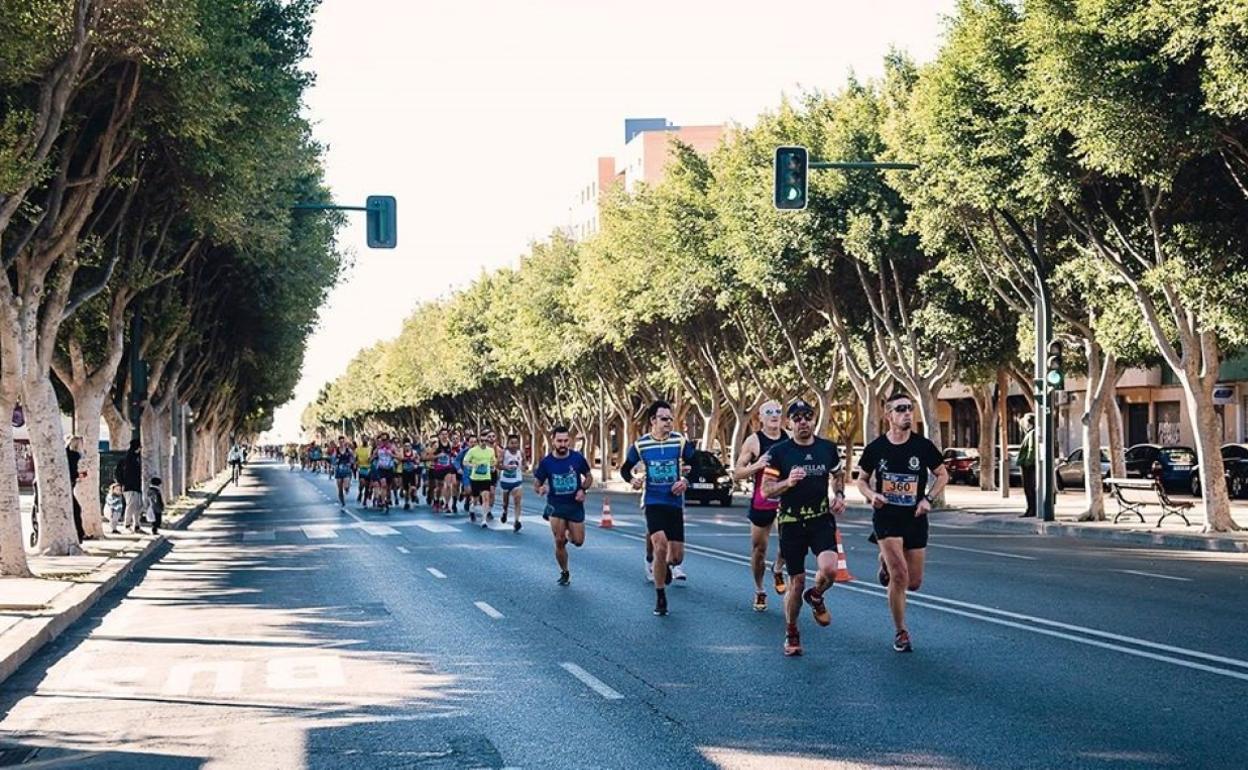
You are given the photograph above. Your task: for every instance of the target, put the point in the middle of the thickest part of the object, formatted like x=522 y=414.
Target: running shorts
x=910 y=528
x=570 y=512
x=762 y=518
x=342 y=472
x=438 y=474
x=507 y=486
x=481 y=486
x=668 y=519
x=815 y=535
x=409 y=479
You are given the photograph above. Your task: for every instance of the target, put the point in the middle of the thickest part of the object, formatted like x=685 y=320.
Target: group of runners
x=799 y=482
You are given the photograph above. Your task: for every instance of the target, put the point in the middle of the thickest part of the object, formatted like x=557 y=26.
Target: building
x=642 y=160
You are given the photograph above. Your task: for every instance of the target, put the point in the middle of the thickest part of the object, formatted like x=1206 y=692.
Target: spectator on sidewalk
x=155 y=503
x=73 y=452
x=116 y=505
x=1027 y=464
x=130 y=475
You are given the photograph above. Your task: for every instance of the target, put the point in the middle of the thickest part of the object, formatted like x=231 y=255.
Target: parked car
x=958 y=461
x=1016 y=473
x=1235 y=461
x=1070 y=469
x=1172 y=465
x=709 y=479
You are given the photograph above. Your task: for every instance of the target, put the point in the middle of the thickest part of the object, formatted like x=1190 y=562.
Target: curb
x=40 y=629
x=1157 y=538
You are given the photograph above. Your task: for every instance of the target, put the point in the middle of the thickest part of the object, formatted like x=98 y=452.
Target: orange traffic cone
x=842 y=568
x=606 y=522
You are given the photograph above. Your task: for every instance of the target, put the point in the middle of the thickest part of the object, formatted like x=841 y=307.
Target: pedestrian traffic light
x=382 y=230
x=1053 y=366
x=792 y=166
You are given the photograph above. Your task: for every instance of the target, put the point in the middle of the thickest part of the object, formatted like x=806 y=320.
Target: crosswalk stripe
x=380 y=530
x=319 y=533
x=264 y=534
x=436 y=526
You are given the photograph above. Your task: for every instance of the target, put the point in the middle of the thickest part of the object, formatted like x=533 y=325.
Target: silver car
x=1070 y=469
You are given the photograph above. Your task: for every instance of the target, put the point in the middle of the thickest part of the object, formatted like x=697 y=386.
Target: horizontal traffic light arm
x=381 y=229
x=863 y=164
x=326 y=207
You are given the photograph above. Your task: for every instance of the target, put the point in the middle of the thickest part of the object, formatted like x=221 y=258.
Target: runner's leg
x=758 y=553
x=559 y=528
x=899 y=579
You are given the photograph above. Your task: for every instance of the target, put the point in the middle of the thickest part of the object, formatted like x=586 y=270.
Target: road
x=279 y=631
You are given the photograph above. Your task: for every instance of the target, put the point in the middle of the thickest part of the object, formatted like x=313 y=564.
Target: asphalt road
x=281 y=632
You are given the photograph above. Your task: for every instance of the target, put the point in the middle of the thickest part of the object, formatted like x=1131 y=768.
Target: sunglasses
x=771 y=412
x=664 y=418
x=904 y=408
x=803 y=417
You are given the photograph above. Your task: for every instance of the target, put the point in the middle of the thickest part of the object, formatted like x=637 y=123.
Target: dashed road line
x=591 y=681
x=437 y=573
x=401 y=549
x=488 y=610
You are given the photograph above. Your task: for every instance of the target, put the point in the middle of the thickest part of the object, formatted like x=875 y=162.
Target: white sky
x=484 y=117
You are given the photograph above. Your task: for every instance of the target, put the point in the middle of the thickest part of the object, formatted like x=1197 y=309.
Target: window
x=1076 y=456
x=1234 y=452
x=1167 y=422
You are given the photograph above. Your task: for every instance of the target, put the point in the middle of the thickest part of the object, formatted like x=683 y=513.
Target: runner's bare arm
x=864 y=485
x=745 y=459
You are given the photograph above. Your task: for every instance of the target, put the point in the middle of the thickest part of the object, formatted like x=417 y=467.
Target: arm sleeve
x=867 y=461
x=630 y=460
x=583 y=467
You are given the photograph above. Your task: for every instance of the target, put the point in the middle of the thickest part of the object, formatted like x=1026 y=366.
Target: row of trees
x=149 y=156
x=1107 y=138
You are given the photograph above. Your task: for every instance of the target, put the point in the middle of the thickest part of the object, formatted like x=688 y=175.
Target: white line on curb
x=591 y=681
x=1152 y=575
x=436 y=573
x=488 y=610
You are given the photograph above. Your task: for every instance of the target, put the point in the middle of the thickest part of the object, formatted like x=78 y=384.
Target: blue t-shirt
x=562 y=475
x=662 y=460
x=458 y=462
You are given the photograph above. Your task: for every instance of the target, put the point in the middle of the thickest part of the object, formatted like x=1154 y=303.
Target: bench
x=1133 y=494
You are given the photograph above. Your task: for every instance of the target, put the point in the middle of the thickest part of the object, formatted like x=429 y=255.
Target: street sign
x=792 y=169
x=382 y=225
x=1223 y=395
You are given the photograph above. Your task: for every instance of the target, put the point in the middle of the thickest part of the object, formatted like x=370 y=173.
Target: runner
x=383 y=463
x=491 y=440
x=479 y=463
x=511 y=478
x=895 y=475
x=408 y=459
x=236 y=463
x=363 y=461
x=799 y=473
x=440 y=456
x=752 y=461
x=344 y=460
x=662 y=452
x=462 y=487
x=562 y=478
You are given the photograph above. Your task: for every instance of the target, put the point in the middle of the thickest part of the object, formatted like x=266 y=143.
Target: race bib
x=444 y=460
x=481 y=470
x=565 y=484
x=900 y=488
x=663 y=472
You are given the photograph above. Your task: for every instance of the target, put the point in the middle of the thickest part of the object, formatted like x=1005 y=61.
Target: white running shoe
x=650 y=571
x=678 y=572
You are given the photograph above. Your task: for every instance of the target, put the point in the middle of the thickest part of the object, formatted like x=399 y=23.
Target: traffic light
x=1053 y=366
x=382 y=224
x=792 y=166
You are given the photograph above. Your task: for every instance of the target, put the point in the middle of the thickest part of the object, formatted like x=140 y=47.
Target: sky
x=484 y=117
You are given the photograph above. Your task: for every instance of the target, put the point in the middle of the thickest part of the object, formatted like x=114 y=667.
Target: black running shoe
x=472 y=516
x=901 y=642
x=503 y=518
x=515 y=527
x=565 y=578
x=660 y=604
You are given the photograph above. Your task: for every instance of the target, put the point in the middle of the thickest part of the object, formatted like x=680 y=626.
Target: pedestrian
x=1027 y=464
x=562 y=478
x=155 y=503
x=805 y=473
x=661 y=452
x=900 y=473
x=129 y=473
x=73 y=453
x=116 y=505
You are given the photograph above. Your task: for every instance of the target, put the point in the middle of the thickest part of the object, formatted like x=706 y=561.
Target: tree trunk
x=1208 y=435
x=12 y=549
x=87 y=408
x=1093 y=486
x=1003 y=424
x=1113 y=426
x=118 y=426
x=57 y=535
x=149 y=431
x=925 y=400
x=986 y=409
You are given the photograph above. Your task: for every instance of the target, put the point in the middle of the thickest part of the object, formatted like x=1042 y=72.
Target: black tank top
x=759 y=502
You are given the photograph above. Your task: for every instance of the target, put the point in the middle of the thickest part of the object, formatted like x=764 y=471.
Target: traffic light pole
x=863 y=164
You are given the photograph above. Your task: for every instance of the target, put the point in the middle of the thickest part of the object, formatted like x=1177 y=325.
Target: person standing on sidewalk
x=73 y=453
x=130 y=475
x=1027 y=464
x=899 y=474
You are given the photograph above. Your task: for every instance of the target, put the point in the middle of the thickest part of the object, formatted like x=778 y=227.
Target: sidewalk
x=34 y=611
x=973 y=508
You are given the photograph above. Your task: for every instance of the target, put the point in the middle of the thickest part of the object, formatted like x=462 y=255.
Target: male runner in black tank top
x=751 y=462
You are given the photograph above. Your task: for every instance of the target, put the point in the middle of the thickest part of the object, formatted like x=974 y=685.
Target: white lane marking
x=437 y=573
x=726 y=523
x=226 y=677
x=488 y=610
x=402 y=549
x=304 y=672
x=1152 y=575
x=380 y=530
x=1028 y=623
x=436 y=526
x=266 y=534
x=981 y=550
x=591 y=681
x=319 y=533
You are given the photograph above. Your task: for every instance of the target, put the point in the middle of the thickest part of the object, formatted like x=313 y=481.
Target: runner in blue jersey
x=562 y=477
x=662 y=451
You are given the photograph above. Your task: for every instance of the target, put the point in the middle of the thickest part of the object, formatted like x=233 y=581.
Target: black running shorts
x=668 y=519
x=910 y=528
x=809 y=535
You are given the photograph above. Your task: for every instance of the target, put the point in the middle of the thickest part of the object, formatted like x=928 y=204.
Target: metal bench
x=1133 y=494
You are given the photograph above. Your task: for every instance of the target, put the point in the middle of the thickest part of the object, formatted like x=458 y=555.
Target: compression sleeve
x=630 y=460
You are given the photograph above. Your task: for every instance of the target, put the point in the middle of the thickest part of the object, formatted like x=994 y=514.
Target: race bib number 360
x=900 y=488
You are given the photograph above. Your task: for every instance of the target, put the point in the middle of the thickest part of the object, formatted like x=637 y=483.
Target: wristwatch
x=929 y=499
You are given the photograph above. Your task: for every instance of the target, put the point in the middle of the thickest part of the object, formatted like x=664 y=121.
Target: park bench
x=1134 y=494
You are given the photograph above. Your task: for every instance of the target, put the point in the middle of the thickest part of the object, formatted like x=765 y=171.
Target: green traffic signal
x=1054 y=376
x=792 y=168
